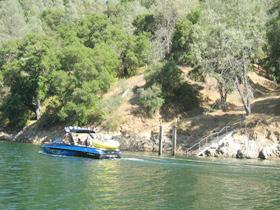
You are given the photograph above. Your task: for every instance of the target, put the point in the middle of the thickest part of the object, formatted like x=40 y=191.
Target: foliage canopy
x=58 y=58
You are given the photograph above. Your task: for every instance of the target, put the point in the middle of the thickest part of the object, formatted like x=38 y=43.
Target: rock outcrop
x=260 y=140
x=145 y=142
x=6 y=136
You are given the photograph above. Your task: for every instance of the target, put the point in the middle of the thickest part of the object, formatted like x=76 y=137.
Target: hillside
x=128 y=122
x=79 y=63
x=193 y=125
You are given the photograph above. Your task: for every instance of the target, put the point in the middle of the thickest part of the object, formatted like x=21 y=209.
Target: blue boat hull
x=80 y=151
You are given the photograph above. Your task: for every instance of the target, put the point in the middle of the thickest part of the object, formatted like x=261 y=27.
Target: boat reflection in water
x=82 y=142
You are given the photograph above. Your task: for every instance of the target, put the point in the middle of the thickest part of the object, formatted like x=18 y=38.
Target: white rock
x=250 y=149
x=214 y=146
x=268 y=151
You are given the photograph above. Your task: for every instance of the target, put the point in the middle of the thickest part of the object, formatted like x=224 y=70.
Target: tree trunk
x=246 y=94
x=224 y=104
x=223 y=97
x=247 y=88
x=38 y=109
x=246 y=101
x=107 y=9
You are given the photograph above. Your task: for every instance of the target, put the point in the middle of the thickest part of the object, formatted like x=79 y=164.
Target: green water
x=31 y=180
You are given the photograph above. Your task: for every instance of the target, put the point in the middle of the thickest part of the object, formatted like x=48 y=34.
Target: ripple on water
x=30 y=180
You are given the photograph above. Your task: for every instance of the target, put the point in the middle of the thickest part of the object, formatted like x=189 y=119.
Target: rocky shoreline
x=6 y=137
x=259 y=139
x=145 y=142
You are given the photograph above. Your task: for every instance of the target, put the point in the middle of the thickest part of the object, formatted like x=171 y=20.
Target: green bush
x=151 y=98
x=185 y=97
x=167 y=75
x=171 y=88
x=70 y=113
x=14 y=113
x=50 y=117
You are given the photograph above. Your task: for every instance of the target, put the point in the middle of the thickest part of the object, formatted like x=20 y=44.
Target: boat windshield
x=80 y=138
x=78 y=130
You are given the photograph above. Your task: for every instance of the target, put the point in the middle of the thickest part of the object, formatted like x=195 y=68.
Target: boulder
x=147 y=147
x=239 y=154
x=228 y=148
x=251 y=149
x=210 y=152
x=214 y=146
x=269 y=151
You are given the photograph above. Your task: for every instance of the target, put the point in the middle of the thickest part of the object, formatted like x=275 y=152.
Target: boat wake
x=53 y=155
x=135 y=159
x=198 y=162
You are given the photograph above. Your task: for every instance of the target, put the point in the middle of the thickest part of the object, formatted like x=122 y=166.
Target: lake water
x=31 y=180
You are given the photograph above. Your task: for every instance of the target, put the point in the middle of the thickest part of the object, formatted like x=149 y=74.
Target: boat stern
x=107 y=154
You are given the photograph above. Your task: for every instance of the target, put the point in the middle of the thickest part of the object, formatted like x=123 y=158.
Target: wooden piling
x=174 y=140
x=160 y=140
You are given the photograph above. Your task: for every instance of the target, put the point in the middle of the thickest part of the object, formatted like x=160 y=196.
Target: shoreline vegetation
x=126 y=67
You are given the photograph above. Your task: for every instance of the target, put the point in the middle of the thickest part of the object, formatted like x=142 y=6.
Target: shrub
x=165 y=85
x=151 y=98
x=15 y=113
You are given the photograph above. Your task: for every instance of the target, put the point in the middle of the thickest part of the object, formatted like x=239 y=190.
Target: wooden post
x=160 y=140
x=174 y=140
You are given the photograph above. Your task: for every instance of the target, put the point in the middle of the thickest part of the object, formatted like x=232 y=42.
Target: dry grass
x=129 y=118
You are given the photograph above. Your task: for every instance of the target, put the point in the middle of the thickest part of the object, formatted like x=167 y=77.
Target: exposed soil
x=194 y=125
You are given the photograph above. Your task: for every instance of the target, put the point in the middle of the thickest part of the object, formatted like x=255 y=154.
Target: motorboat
x=82 y=142
x=81 y=151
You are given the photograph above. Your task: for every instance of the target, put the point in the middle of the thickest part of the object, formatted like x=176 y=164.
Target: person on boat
x=68 y=139
x=79 y=141
x=86 y=143
x=89 y=141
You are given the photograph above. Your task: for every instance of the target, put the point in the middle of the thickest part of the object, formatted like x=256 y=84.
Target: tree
x=166 y=19
x=25 y=70
x=52 y=19
x=8 y=52
x=12 y=20
x=211 y=50
x=167 y=13
x=85 y=75
x=226 y=41
x=132 y=50
x=67 y=70
x=273 y=37
x=123 y=13
x=250 y=26
x=145 y=24
x=181 y=41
